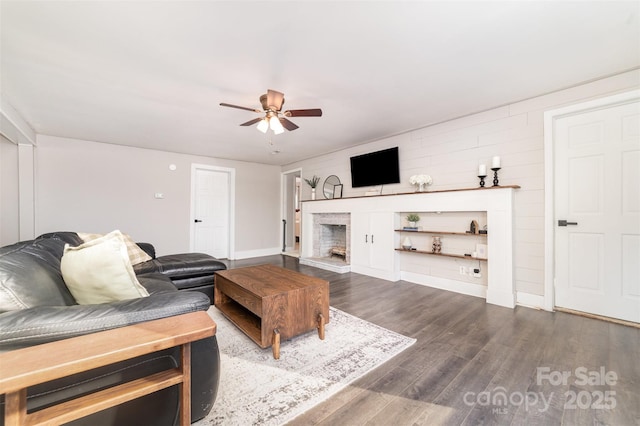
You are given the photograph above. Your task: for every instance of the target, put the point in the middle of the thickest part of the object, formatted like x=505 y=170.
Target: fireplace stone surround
x=331 y=230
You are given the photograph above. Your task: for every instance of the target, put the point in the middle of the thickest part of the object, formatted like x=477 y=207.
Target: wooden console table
x=26 y=367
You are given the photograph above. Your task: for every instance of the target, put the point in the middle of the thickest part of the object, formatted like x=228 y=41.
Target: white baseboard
x=257 y=253
x=470 y=289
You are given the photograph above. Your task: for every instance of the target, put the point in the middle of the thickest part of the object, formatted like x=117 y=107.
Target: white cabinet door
x=381 y=247
x=360 y=239
x=372 y=250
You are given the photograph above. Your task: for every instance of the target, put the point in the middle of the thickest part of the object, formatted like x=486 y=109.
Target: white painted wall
x=9 y=195
x=451 y=151
x=17 y=199
x=96 y=187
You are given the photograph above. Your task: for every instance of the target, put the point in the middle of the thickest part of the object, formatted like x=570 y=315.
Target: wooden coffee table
x=269 y=303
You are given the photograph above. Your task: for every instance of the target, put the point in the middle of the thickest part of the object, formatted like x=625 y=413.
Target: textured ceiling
x=152 y=73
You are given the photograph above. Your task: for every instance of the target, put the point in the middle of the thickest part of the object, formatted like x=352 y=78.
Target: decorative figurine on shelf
x=473 y=228
x=436 y=247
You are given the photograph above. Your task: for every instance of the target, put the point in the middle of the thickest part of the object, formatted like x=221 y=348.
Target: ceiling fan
x=274 y=118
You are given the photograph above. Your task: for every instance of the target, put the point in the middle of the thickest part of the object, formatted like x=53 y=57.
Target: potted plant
x=412 y=218
x=313 y=182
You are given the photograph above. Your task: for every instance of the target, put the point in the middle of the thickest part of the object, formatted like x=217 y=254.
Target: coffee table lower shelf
x=249 y=323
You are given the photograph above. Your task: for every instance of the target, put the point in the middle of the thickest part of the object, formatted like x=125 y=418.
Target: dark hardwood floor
x=479 y=364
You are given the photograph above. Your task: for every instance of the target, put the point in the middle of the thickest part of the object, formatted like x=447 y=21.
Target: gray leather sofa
x=36 y=307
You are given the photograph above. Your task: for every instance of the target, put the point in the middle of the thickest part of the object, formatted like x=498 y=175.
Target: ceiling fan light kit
x=275 y=125
x=263 y=126
x=274 y=118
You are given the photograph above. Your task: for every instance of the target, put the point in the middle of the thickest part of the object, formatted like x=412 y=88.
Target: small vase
x=406 y=244
x=436 y=247
x=412 y=224
x=313 y=193
x=421 y=187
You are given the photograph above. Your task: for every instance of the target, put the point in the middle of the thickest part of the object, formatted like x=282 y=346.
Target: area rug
x=256 y=389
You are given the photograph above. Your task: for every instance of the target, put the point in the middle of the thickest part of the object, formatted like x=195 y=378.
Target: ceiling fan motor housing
x=264 y=99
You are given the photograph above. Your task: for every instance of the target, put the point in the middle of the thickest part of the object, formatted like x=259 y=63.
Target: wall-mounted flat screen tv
x=375 y=168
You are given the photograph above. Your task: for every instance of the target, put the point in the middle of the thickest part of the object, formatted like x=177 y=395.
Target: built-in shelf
x=459 y=256
x=468 y=234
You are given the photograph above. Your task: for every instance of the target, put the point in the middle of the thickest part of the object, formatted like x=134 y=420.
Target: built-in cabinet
x=376 y=232
x=371 y=236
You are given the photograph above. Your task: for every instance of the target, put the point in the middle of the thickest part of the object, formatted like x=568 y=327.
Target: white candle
x=482 y=170
x=495 y=163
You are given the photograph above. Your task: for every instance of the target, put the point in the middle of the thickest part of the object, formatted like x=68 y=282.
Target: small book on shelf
x=410 y=228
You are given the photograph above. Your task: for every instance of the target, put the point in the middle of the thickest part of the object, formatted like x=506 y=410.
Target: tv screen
x=375 y=168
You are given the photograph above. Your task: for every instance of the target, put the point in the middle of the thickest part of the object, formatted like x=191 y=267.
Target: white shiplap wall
x=451 y=151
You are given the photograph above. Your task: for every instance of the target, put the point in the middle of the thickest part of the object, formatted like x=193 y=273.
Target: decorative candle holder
x=482 y=180
x=495 y=176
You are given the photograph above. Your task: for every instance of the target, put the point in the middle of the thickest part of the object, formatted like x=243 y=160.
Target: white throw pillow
x=99 y=271
x=136 y=254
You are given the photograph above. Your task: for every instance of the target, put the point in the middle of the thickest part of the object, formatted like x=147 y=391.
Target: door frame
x=232 y=204
x=283 y=199
x=549 y=179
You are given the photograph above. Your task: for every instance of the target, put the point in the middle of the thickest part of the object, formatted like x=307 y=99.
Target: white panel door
x=211 y=213
x=597 y=192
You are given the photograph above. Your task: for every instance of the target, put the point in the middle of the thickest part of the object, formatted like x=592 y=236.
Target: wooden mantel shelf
x=486 y=188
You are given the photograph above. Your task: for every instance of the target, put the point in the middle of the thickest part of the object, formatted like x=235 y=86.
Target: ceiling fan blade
x=240 y=107
x=289 y=125
x=317 y=112
x=251 y=122
x=275 y=99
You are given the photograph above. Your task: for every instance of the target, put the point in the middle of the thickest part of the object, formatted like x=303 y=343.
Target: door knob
x=565 y=223
x=197 y=221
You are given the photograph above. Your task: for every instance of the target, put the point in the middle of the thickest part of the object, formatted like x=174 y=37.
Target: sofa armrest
x=44 y=324
x=148 y=248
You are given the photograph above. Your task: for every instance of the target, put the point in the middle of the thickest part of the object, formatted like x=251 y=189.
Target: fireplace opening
x=333 y=241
